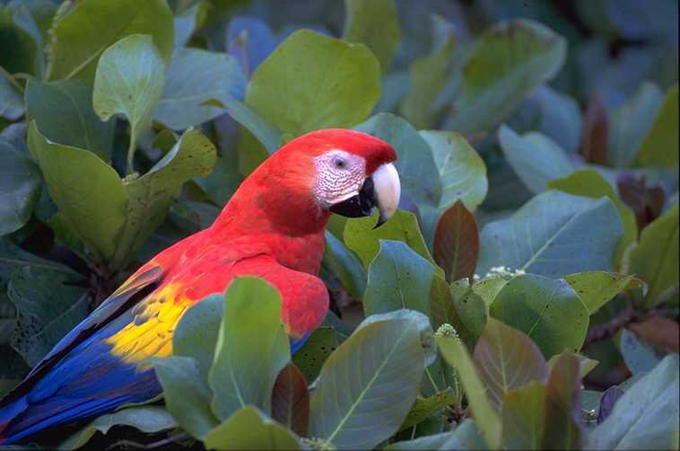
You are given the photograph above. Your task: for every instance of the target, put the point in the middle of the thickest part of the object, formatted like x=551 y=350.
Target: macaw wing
x=132 y=291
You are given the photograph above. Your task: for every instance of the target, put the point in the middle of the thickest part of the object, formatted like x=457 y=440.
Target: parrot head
x=340 y=171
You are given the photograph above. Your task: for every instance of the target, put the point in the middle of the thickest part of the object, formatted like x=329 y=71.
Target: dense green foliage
x=524 y=297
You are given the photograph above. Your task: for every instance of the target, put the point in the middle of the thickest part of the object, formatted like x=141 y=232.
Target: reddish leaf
x=506 y=359
x=456 y=242
x=563 y=405
x=645 y=202
x=290 y=400
x=595 y=132
x=660 y=331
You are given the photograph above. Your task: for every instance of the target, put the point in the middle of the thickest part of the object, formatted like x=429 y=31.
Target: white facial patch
x=339 y=176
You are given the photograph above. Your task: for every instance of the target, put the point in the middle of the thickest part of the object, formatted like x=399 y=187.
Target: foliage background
x=538 y=150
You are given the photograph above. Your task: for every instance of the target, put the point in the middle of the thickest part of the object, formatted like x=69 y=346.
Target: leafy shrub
x=526 y=295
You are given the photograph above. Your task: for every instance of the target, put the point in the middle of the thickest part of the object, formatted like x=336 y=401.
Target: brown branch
x=621 y=321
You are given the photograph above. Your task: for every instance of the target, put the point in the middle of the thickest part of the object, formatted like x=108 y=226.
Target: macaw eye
x=339 y=163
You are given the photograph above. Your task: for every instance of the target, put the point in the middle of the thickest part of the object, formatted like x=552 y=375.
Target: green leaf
x=20 y=187
x=535 y=158
x=152 y=194
x=11 y=103
x=398 y=278
x=345 y=265
x=144 y=418
x=86 y=190
x=290 y=400
x=373 y=379
x=428 y=79
x=630 y=122
x=554 y=234
x=660 y=146
x=586 y=365
x=197 y=331
x=48 y=304
x=195 y=78
x=589 y=183
x=506 y=63
x=540 y=307
x=524 y=416
x=655 y=258
x=313 y=354
x=17 y=51
x=80 y=37
x=63 y=111
x=563 y=405
x=361 y=237
x=415 y=163
x=189 y=21
x=646 y=416
x=129 y=80
x=249 y=428
x=424 y=407
x=360 y=27
x=465 y=436
x=455 y=353
x=251 y=328
x=313 y=81
x=469 y=311
x=506 y=359
x=12 y=257
x=186 y=393
x=456 y=242
x=462 y=171
x=596 y=288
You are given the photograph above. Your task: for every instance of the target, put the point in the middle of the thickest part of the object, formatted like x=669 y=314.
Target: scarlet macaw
x=273 y=227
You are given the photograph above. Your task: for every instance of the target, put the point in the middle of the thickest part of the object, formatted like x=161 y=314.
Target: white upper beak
x=387 y=191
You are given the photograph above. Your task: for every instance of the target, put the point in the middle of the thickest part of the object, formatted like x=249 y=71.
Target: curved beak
x=382 y=190
x=387 y=191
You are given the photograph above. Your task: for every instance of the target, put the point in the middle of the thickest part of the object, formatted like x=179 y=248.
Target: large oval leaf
x=554 y=234
x=64 y=114
x=540 y=307
x=373 y=379
x=398 y=278
x=251 y=328
x=646 y=416
x=80 y=38
x=506 y=359
x=86 y=190
x=313 y=81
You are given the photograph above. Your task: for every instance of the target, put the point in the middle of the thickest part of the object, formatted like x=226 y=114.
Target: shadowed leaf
x=506 y=359
x=563 y=405
x=290 y=400
x=595 y=136
x=456 y=242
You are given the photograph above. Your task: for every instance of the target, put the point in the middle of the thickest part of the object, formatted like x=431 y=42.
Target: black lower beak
x=360 y=205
